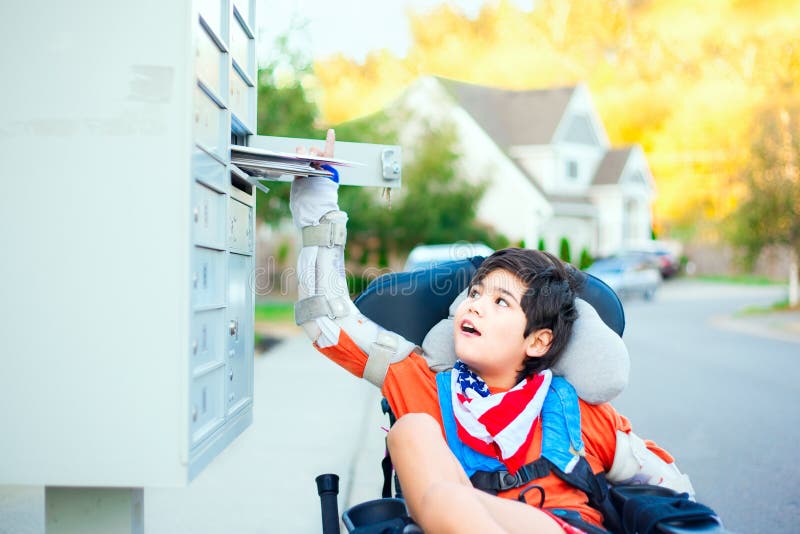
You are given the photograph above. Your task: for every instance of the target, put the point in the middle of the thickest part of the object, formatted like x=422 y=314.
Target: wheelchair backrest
x=411 y=303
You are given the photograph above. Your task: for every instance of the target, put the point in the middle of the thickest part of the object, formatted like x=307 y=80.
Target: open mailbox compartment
x=266 y=158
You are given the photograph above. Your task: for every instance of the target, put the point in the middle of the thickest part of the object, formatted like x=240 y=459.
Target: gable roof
x=505 y=114
x=610 y=169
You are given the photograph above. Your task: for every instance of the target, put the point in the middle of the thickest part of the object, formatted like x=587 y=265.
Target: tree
x=435 y=204
x=769 y=213
x=650 y=74
x=285 y=109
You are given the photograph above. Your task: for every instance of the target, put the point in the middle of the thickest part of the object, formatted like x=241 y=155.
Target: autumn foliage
x=682 y=78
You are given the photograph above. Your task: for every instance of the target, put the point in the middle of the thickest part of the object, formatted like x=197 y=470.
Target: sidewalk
x=781 y=325
x=310 y=417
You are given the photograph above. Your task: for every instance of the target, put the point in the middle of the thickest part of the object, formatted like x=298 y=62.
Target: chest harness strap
x=593 y=485
x=561 y=438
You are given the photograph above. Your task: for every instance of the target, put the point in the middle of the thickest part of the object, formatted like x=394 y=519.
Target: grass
x=781 y=305
x=274 y=311
x=742 y=279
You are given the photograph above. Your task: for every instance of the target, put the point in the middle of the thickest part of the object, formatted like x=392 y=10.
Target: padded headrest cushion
x=417 y=305
x=595 y=361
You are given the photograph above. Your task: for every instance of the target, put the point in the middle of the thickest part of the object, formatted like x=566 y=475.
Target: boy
x=499 y=420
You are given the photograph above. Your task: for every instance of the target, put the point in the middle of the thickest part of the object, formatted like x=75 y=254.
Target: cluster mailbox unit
x=129 y=238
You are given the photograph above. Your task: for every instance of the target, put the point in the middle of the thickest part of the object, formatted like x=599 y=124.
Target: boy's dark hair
x=548 y=302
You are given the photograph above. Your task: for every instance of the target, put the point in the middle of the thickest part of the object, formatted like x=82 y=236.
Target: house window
x=572 y=169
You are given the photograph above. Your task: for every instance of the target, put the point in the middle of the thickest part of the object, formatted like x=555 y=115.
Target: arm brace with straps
x=324 y=306
x=634 y=463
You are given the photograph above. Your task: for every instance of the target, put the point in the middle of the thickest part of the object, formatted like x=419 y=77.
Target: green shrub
x=586 y=259
x=563 y=251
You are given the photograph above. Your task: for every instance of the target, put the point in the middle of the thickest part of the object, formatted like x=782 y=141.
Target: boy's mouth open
x=468 y=328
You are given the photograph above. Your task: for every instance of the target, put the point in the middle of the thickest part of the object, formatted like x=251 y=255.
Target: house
x=552 y=171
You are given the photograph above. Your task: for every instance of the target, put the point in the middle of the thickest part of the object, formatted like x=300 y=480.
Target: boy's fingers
x=314 y=151
x=330 y=140
x=300 y=150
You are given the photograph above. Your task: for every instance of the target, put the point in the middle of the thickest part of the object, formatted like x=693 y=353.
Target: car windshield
x=424 y=256
x=608 y=266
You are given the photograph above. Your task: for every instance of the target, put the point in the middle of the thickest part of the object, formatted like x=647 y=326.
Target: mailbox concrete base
x=94 y=510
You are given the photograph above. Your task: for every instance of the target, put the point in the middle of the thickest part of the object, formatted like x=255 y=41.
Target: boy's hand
x=314 y=196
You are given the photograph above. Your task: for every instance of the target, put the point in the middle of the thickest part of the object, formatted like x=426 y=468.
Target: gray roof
x=610 y=169
x=512 y=118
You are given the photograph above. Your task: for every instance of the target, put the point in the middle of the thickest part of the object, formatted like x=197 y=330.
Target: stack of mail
x=271 y=165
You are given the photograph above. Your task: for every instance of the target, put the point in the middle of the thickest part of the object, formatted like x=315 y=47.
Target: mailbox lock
x=230 y=376
x=196 y=213
x=194 y=413
x=390 y=163
x=195 y=279
x=234 y=327
x=194 y=347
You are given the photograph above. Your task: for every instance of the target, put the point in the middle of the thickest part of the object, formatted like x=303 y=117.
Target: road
x=724 y=402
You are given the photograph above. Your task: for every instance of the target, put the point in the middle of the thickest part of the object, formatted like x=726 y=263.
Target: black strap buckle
x=507 y=481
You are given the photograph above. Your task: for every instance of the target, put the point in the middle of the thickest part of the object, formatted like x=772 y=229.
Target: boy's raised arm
x=324 y=308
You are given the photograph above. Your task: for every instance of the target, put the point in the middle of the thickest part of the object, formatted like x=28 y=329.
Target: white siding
x=581 y=233
x=511 y=204
x=517 y=209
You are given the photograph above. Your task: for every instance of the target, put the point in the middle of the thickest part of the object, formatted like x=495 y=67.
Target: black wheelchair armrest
x=635 y=502
x=703 y=527
x=380 y=516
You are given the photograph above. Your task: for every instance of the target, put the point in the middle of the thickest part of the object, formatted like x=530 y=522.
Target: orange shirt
x=410 y=387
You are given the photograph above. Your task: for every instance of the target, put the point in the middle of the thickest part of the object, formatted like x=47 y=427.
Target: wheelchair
x=410 y=304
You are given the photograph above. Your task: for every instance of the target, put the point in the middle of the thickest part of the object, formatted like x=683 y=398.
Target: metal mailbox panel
x=208 y=217
x=240 y=227
x=208 y=170
x=211 y=11
x=240 y=98
x=243 y=7
x=206 y=405
x=207 y=344
x=208 y=123
x=209 y=64
x=240 y=47
x=239 y=367
x=208 y=277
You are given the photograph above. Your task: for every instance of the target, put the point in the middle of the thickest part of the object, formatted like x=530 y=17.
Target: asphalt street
x=724 y=400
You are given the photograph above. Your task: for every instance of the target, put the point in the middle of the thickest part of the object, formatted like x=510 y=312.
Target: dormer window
x=572 y=169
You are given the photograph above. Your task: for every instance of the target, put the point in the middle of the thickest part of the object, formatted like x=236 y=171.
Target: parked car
x=664 y=253
x=628 y=274
x=423 y=256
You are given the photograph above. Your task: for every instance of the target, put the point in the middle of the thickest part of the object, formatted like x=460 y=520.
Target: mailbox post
x=128 y=238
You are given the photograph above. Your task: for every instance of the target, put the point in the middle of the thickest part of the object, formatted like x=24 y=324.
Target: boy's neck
x=499 y=384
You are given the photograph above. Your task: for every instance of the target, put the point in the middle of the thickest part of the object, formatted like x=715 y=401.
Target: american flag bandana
x=499 y=425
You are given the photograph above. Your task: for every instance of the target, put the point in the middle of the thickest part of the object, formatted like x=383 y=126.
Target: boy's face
x=490 y=326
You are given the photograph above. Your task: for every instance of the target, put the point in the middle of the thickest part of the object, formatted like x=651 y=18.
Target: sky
x=352 y=27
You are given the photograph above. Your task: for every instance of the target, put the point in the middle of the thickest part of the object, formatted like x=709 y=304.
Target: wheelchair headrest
x=411 y=303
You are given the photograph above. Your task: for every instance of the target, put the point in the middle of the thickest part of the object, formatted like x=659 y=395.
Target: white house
x=552 y=171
